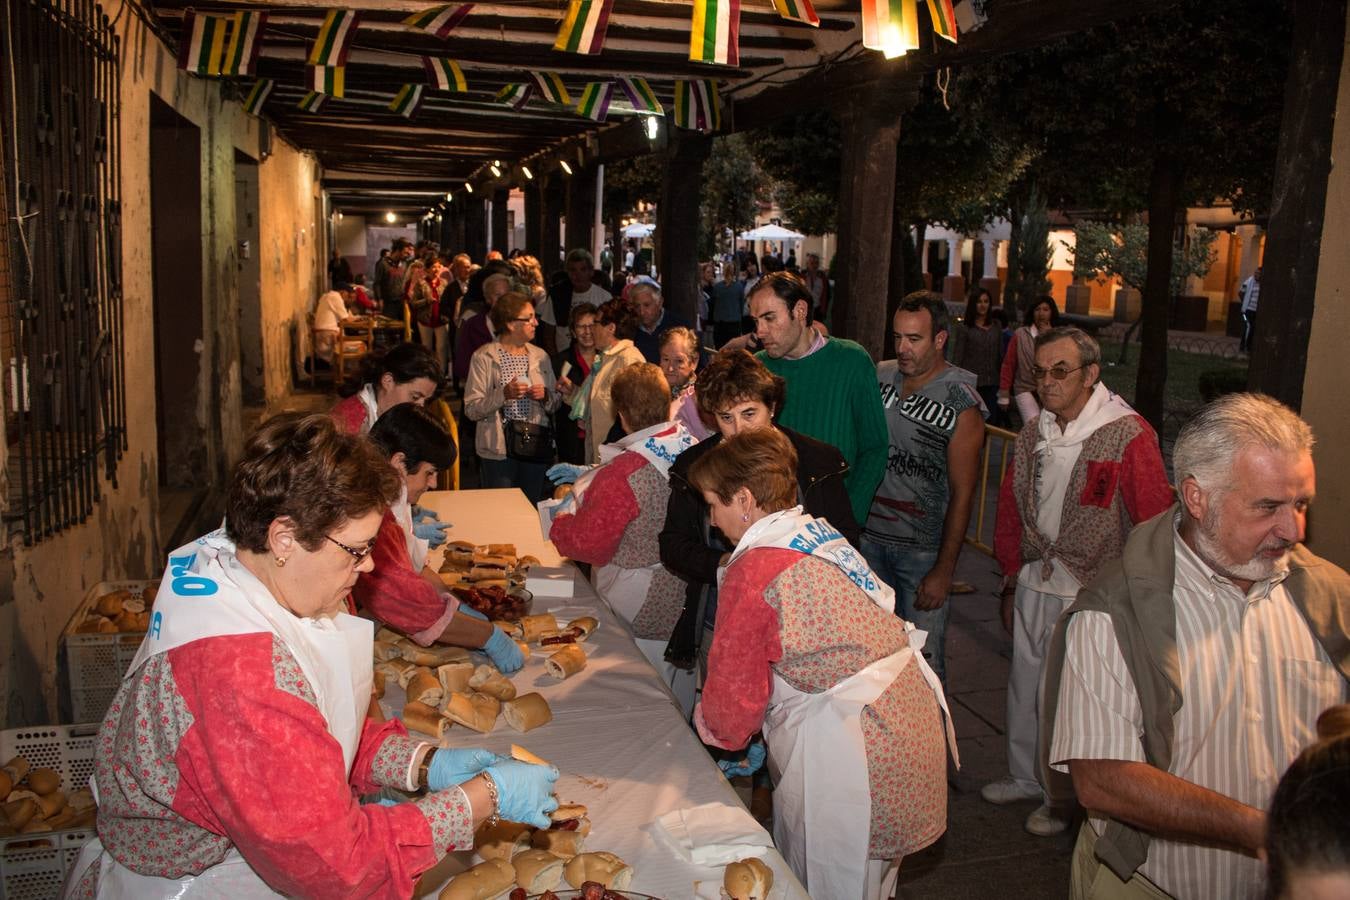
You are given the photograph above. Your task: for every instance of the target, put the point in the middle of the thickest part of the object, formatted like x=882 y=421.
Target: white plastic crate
x=95 y=663
x=33 y=866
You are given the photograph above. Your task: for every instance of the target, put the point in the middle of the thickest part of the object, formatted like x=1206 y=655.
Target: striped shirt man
x=1254 y=680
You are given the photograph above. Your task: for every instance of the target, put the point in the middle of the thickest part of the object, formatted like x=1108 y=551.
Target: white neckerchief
x=417 y=547
x=1057 y=452
x=659 y=445
x=793 y=529
x=367 y=397
x=207 y=592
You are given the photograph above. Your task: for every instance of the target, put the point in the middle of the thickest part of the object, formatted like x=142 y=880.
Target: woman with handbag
x=510 y=393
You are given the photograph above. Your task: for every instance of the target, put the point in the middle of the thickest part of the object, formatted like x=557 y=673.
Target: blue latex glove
x=565 y=473
x=422 y=514
x=754 y=758
x=505 y=655
x=432 y=532
x=456 y=766
x=385 y=801
x=472 y=613
x=524 y=791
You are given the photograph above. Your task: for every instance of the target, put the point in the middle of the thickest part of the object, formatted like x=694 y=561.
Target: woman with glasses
x=231 y=758
x=510 y=379
x=616 y=322
x=571 y=366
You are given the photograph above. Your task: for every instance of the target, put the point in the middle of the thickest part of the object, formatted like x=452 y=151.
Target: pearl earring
x=745 y=517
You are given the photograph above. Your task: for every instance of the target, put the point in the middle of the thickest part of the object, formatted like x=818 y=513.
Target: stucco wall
x=41 y=586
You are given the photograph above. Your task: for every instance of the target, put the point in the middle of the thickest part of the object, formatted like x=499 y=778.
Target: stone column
x=989 y=279
x=475 y=228
x=552 y=190
x=501 y=197
x=676 y=237
x=580 y=207
x=533 y=216
x=954 y=285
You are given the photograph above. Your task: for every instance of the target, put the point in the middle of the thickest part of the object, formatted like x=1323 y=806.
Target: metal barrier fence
x=994 y=458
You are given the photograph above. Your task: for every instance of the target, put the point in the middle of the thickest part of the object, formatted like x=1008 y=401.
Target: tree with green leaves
x=729 y=195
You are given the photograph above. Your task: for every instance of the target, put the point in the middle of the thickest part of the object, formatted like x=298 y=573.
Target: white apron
x=418 y=548
x=207 y=592
x=817 y=756
x=367 y=397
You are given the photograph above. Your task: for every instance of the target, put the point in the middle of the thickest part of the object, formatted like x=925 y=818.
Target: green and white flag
x=515 y=95
x=439 y=20
x=583 y=28
x=330 y=80
x=551 y=87
x=697 y=106
x=312 y=102
x=335 y=38
x=594 y=102
x=241 y=57
x=258 y=96
x=445 y=74
x=201 y=50
x=641 y=95
x=406 y=101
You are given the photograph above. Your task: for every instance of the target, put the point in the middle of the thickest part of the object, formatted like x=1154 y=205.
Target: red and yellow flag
x=797 y=11
x=944 y=19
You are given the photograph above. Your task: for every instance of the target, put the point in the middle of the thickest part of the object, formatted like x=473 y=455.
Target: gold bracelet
x=493 y=796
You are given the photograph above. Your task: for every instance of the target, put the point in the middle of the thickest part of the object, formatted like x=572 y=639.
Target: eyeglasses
x=353 y=552
x=1059 y=373
x=527 y=319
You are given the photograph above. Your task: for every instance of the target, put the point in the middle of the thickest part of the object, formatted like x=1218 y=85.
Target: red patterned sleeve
x=745 y=646
x=393 y=591
x=1008 y=527
x=258 y=765
x=349 y=413
x=592 y=534
x=1144 y=484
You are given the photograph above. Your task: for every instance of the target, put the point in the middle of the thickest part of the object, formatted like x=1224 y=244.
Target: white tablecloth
x=617 y=735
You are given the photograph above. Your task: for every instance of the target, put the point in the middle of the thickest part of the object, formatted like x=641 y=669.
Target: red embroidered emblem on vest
x=1102 y=476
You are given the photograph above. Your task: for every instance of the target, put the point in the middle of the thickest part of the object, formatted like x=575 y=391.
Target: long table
x=617 y=735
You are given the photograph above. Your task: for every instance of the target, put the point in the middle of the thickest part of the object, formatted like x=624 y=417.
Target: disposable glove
x=565 y=473
x=422 y=514
x=432 y=532
x=471 y=612
x=450 y=767
x=524 y=791
x=385 y=801
x=754 y=758
x=504 y=652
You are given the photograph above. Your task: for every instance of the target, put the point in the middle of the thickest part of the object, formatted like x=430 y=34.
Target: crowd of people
x=778 y=522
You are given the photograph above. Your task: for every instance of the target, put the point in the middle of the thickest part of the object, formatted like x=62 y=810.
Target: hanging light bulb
x=496 y=172
x=468 y=187
x=565 y=167
x=652 y=127
x=390 y=218
x=526 y=171
x=448 y=196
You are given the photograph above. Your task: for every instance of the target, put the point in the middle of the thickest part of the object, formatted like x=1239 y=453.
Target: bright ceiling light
x=652 y=127
x=526 y=171
x=390 y=218
x=496 y=172
x=468 y=187
x=565 y=167
x=448 y=196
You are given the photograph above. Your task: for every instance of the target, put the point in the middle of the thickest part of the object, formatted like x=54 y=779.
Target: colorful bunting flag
x=407 y=100
x=697 y=106
x=944 y=19
x=551 y=87
x=515 y=95
x=241 y=57
x=797 y=11
x=594 y=102
x=258 y=96
x=891 y=26
x=330 y=80
x=202 y=48
x=439 y=20
x=335 y=38
x=641 y=95
x=583 y=28
x=312 y=102
x=445 y=74
x=715 y=35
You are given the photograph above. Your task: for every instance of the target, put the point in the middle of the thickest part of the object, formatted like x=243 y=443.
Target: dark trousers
x=1248 y=327
x=513 y=473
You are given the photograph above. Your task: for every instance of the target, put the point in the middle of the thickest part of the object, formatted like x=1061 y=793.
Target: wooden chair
x=312 y=371
x=449 y=479
x=355 y=339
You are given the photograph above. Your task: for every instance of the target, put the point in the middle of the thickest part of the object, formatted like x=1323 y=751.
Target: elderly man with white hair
x=654 y=319
x=1190 y=673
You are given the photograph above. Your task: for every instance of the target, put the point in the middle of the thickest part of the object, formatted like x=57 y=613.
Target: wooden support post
x=553 y=189
x=580 y=207
x=871 y=131
x=533 y=214
x=500 y=198
x=475 y=228
x=677 y=220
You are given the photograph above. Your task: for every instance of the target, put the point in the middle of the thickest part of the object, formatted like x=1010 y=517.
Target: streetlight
x=390 y=218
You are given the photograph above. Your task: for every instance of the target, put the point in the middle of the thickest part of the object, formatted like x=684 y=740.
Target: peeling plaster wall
x=41 y=586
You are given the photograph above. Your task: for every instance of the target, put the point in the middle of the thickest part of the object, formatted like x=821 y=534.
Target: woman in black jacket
x=737 y=393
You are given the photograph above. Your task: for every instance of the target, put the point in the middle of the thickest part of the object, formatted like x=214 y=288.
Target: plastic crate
x=95 y=663
x=33 y=866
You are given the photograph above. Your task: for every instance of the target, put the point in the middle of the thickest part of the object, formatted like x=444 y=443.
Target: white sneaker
x=1044 y=822
x=1009 y=790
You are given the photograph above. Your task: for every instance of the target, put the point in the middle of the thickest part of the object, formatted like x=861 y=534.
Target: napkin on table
x=714 y=834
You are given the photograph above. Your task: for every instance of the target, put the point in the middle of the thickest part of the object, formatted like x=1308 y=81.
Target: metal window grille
x=61 y=311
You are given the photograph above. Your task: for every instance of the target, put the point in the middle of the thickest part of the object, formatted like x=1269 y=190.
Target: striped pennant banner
x=445 y=74
x=583 y=28
x=330 y=80
x=407 y=100
x=944 y=19
x=715 y=35
x=202 y=48
x=312 y=102
x=551 y=87
x=439 y=20
x=515 y=95
x=241 y=58
x=891 y=26
x=641 y=95
x=797 y=11
x=258 y=96
x=335 y=38
x=594 y=102
x=697 y=106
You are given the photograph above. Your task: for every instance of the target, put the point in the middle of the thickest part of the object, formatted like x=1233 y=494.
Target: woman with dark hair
x=405 y=373
x=1307 y=831
x=616 y=322
x=809 y=651
x=433 y=322
x=510 y=379
x=738 y=394
x=231 y=759
x=679 y=355
x=979 y=344
x=571 y=367
x=1016 y=383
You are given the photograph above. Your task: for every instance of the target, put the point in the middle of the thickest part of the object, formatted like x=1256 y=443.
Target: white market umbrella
x=770 y=233
x=638 y=230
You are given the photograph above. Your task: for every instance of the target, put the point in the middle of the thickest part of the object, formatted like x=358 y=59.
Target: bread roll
x=454 y=677
x=492 y=561
x=110 y=604
x=17 y=768
x=503 y=840
x=747 y=879
x=485 y=881
x=527 y=712
x=81 y=800
x=384 y=650
x=491 y=582
x=399 y=670
x=127 y=622
x=537 y=870
x=524 y=649
x=377 y=684
x=562 y=844
x=585 y=624
x=512 y=629
x=135 y=605
x=459 y=548
x=420 y=717
x=106 y=626
x=532 y=627
x=424 y=687
x=433 y=656
x=51 y=804
x=149 y=594
x=520 y=753
x=500 y=550
x=473 y=710
x=561 y=491
x=35 y=824
x=6 y=784
x=19 y=813
x=566 y=812
x=487 y=680
x=600 y=866
x=90 y=625
x=44 y=781
x=388 y=635
x=566 y=662
x=526 y=563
